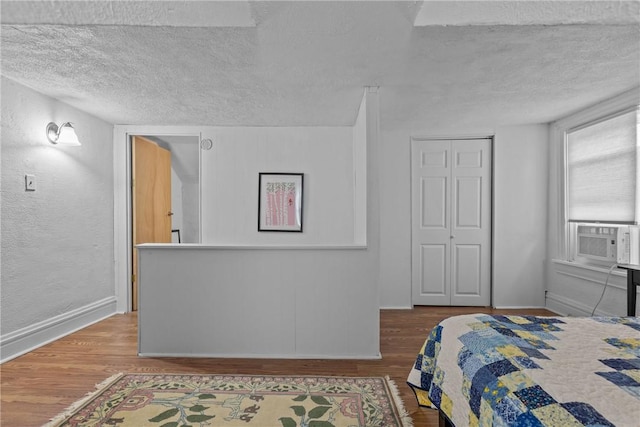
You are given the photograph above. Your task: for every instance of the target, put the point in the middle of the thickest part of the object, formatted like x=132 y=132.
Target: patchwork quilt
x=490 y=370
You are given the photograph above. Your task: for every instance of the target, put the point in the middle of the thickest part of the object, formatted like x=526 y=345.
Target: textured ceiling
x=527 y=12
x=306 y=63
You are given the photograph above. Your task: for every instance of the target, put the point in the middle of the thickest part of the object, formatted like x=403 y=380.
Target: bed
x=493 y=370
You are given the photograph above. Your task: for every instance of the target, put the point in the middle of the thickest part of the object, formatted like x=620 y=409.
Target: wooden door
x=451 y=222
x=151 y=199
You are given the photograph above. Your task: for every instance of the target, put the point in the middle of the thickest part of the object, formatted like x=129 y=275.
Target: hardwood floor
x=42 y=383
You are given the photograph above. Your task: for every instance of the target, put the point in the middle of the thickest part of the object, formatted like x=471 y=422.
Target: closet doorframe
x=451 y=199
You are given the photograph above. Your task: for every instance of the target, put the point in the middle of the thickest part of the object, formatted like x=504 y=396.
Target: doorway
x=165 y=194
x=451 y=221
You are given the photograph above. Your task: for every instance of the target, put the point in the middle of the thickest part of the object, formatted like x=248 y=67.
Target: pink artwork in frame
x=280 y=202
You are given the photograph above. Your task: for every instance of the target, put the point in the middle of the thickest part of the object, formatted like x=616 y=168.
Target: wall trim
x=601 y=109
x=264 y=356
x=24 y=340
x=207 y=247
x=590 y=279
x=397 y=307
x=570 y=307
x=591 y=274
x=519 y=307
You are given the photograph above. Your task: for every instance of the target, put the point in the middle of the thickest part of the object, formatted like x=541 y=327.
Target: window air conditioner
x=616 y=244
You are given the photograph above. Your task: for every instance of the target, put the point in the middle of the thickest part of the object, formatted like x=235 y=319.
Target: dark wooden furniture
x=633 y=280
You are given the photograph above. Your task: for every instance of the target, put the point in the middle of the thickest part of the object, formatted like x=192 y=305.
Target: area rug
x=238 y=400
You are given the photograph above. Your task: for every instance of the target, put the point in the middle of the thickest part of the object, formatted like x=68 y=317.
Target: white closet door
x=451 y=222
x=431 y=212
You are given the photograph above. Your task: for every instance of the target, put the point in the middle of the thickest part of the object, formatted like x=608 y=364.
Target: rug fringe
x=405 y=418
x=75 y=406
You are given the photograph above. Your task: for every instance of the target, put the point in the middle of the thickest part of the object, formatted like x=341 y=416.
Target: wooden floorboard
x=37 y=386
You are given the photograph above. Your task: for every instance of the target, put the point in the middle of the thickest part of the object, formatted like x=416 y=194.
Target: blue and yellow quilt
x=491 y=370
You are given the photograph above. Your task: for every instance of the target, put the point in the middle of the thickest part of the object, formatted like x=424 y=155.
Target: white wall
x=335 y=210
x=574 y=289
x=395 y=220
x=258 y=302
x=230 y=183
x=57 y=242
x=520 y=206
x=190 y=212
x=317 y=299
x=520 y=215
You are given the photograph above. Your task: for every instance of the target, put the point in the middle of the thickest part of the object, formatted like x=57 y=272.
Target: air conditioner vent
x=597 y=242
x=594 y=246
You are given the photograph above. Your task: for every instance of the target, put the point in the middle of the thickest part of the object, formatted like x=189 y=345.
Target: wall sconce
x=63 y=135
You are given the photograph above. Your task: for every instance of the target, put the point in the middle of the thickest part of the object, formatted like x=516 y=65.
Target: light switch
x=30 y=182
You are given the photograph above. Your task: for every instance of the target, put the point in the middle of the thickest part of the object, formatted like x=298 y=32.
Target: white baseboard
x=24 y=340
x=402 y=307
x=265 y=356
x=569 y=307
x=519 y=307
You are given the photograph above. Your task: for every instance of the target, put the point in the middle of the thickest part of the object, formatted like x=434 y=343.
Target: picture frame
x=280 y=201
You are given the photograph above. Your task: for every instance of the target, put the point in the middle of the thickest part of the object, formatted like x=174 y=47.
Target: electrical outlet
x=29 y=182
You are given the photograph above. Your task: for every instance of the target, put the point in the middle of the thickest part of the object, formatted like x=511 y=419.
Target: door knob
x=169 y=213
x=452 y=237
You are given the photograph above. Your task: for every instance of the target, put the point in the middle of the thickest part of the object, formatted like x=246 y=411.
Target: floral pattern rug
x=233 y=400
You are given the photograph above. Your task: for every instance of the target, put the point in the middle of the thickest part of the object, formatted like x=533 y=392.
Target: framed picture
x=280 y=202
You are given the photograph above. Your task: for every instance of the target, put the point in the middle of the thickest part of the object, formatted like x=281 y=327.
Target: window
x=602 y=170
x=601 y=184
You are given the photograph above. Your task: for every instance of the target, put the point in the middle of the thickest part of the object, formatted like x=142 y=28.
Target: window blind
x=602 y=174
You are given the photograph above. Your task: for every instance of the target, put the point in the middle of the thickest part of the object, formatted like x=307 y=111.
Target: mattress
x=494 y=370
